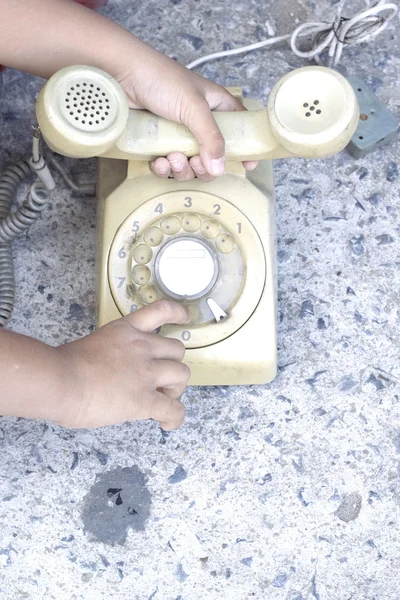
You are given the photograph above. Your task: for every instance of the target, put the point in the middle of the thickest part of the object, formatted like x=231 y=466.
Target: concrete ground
x=286 y=491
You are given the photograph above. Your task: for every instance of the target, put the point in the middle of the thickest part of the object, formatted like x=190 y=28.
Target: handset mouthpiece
x=82 y=111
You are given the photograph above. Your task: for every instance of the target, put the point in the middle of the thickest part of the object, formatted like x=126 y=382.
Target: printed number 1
x=239 y=225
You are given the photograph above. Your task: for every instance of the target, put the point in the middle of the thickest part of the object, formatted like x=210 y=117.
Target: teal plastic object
x=376 y=126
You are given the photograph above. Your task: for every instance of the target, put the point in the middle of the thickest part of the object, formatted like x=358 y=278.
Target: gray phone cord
x=13 y=224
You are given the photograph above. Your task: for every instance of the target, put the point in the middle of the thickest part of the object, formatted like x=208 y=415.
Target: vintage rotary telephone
x=210 y=245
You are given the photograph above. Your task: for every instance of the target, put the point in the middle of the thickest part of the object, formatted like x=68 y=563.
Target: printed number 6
x=122 y=253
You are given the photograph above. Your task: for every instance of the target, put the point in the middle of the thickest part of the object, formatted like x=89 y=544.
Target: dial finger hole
x=142 y=254
x=225 y=243
x=210 y=229
x=170 y=225
x=191 y=222
x=141 y=274
x=148 y=294
x=153 y=236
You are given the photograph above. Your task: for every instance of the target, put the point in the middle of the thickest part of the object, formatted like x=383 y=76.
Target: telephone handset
x=210 y=245
x=83 y=112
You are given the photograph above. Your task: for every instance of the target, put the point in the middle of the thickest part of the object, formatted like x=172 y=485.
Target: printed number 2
x=159 y=208
x=217 y=210
x=188 y=202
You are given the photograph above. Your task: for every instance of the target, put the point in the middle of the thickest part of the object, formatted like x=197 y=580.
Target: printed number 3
x=188 y=202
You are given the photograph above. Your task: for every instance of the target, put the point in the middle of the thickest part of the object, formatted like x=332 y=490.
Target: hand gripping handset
x=209 y=245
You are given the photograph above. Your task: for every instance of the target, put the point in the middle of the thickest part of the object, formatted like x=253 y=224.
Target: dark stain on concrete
x=119 y=500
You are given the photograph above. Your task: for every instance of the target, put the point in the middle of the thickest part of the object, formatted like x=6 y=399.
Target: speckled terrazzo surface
x=288 y=491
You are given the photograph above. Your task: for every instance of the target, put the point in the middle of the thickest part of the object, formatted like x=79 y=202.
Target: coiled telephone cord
x=12 y=224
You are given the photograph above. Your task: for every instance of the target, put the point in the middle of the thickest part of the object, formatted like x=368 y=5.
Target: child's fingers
x=152 y=316
x=164 y=348
x=199 y=169
x=199 y=119
x=180 y=167
x=161 y=167
x=168 y=411
x=171 y=374
x=249 y=165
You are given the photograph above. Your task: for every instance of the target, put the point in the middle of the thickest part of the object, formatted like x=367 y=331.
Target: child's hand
x=79 y=36
x=169 y=90
x=125 y=372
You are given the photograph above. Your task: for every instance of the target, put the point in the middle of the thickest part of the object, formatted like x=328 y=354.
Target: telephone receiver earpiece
x=83 y=112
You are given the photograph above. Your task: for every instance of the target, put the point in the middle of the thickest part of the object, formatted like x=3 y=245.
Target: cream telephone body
x=210 y=245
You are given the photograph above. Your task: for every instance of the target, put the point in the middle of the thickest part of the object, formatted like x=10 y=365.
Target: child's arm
x=122 y=372
x=42 y=36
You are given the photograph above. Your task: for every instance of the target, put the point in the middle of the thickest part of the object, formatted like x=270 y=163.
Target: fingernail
x=176 y=165
x=200 y=170
x=217 y=165
x=163 y=170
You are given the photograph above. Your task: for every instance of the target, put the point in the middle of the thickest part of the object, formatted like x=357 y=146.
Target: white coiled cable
x=329 y=39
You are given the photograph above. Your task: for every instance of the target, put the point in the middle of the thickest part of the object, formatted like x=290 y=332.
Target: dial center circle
x=186 y=268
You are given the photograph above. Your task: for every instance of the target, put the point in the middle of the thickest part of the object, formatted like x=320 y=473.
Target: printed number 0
x=188 y=202
x=186 y=335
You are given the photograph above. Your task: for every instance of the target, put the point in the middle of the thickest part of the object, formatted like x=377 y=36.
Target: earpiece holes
x=311 y=108
x=360 y=137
